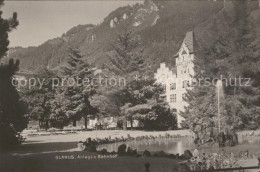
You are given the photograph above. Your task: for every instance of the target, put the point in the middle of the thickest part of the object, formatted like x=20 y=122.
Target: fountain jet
x=219 y=90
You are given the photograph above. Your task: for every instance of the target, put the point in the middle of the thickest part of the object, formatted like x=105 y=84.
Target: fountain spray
x=219 y=89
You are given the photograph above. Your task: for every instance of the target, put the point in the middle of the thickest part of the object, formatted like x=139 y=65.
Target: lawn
x=55 y=153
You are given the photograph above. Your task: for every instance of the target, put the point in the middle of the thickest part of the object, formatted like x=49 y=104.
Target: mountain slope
x=161 y=25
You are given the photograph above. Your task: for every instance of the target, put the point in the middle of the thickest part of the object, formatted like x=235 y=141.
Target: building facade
x=178 y=79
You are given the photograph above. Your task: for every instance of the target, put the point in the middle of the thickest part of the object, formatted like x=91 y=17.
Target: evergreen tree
x=7 y=25
x=128 y=52
x=201 y=114
x=12 y=109
x=242 y=101
x=144 y=102
x=248 y=60
x=71 y=101
x=231 y=57
x=38 y=97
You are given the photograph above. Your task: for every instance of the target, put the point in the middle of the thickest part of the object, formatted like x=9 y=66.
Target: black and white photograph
x=129 y=85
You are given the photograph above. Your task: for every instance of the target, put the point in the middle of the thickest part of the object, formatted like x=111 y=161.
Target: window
x=172 y=86
x=173 y=98
x=183 y=95
x=185 y=84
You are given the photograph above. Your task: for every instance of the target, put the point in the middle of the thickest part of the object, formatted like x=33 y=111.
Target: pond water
x=179 y=145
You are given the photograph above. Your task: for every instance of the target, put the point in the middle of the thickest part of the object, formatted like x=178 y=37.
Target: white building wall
x=185 y=73
x=182 y=79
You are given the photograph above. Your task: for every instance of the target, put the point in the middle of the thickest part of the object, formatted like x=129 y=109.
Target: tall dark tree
x=201 y=114
x=231 y=57
x=71 y=101
x=128 y=51
x=144 y=101
x=127 y=61
x=118 y=98
x=38 y=97
x=12 y=109
x=7 y=25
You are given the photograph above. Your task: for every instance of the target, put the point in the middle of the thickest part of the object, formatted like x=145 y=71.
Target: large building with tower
x=178 y=79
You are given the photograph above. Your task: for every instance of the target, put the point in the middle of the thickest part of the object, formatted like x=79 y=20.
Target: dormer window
x=184 y=52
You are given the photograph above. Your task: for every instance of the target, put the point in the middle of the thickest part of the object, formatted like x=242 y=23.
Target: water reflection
x=179 y=145
x=249 y=139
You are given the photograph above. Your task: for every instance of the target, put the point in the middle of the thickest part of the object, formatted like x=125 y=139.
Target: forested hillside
x=161 y=26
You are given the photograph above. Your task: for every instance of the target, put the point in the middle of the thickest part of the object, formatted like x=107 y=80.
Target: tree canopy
x=12 y=108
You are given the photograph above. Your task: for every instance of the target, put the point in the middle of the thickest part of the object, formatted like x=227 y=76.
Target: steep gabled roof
x=188 y=41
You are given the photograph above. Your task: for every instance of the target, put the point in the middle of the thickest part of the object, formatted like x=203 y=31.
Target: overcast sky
x=43 y=20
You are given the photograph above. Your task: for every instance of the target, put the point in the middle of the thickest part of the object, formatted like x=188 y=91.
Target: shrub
x=121 y=150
